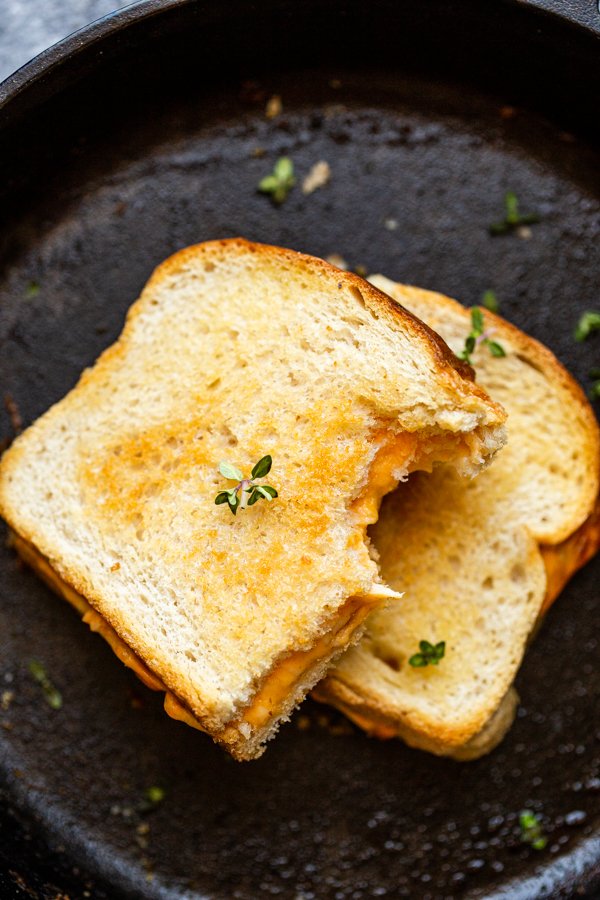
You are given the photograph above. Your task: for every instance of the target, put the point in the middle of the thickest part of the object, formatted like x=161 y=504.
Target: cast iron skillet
x=146 y=132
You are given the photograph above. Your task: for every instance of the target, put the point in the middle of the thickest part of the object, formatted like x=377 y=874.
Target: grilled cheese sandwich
x=235 y=350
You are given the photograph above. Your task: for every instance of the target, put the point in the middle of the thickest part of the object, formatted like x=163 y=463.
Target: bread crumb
x=524 y=232
x=6 y=699
x=115 y=567
x=391 y=224
x=274 y=107
x=318 y=176
x=334 y=259
x=245 y=729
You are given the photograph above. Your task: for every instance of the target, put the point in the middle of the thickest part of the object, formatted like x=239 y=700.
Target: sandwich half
x=233 y=352
x=480 y=560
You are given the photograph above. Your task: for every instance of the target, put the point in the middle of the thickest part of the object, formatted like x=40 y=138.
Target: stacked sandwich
x=202 y=498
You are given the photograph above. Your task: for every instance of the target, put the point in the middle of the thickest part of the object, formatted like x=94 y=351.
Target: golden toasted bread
x=479 y=560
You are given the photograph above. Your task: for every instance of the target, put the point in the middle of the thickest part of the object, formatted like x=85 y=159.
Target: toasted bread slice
x=478 y=560
x=234 y=351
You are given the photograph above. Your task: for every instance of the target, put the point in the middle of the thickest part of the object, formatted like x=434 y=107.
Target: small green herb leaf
x=254 y=496
x=513 y=219
x=268 y=184
x=418 y=661
x=230 y=472
x=32 y=290
x=262 y=467
x=221 y=498
x=430 y=654
x=53 y=696
x=263 y=492
x=532 y=832
x=495 y=348
x=477 y=336
x=266 y=488
x=154 y=795
x=490 y=301
x=512 y=208
x=284 y=169
x=595 y=388
x=588 y=322
x=477 y=320
x=280 y=182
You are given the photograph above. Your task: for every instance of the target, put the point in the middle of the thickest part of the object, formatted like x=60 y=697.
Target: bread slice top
x=234 y=351
x=470 y=555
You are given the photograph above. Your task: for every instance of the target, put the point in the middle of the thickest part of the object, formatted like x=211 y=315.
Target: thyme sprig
x=246 y=492
x=430 y=654
x=589 y=321
x=478 y=336
x=532 y=832
x=280 y=182
x=52 y=694
x=513 y=219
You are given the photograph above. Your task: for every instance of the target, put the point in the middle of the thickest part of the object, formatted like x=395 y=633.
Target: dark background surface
x=196 y=177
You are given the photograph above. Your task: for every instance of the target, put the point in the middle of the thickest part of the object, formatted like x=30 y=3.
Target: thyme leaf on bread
x=430 y=654
x=280 y=182
x=513 y=219
x=531 y=830
x=478 y=336
x=589 y=321
x=53 y=696
x=246 y=492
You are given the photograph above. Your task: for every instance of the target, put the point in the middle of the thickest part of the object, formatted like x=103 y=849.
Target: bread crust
x=536 y=355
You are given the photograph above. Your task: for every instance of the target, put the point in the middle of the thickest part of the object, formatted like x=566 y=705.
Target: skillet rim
x=47 y=64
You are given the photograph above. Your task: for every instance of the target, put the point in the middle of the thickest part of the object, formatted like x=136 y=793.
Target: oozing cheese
x=292 y=670
x=277 y=685
x=562 y=560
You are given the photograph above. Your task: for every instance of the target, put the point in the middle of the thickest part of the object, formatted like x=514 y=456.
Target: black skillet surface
x=148 y=133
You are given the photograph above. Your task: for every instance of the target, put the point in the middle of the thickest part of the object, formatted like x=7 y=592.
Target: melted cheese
x=560 y=561
x=392 y=459
x=276 y=687
x=293 y=670
x=396 y=457
x=563 y=560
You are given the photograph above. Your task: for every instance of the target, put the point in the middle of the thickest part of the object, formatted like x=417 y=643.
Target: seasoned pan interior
x=420 y=163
